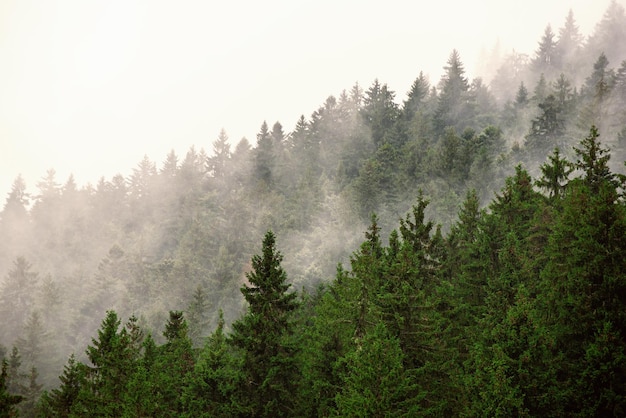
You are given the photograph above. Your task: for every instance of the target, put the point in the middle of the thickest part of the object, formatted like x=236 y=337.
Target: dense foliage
x=457 y=302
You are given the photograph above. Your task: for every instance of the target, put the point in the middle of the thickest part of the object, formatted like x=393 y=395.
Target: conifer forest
x=460 y=251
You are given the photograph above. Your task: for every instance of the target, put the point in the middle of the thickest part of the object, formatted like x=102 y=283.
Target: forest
x=458 y=252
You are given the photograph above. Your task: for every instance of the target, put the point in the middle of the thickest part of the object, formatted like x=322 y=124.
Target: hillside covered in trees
x=461 y=251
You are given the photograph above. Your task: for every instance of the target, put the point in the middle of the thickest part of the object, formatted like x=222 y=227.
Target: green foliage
x=112 y=363
x=173 y=364
x=375 y=383
x=58 y=402
x=512 y=306
x=210 y=388
x=197 y=316
x=555 y=175
x=263 y=336
x=8 y=401
x=455 y=104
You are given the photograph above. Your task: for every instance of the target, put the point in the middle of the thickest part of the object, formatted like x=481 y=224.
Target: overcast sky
x=90 y=87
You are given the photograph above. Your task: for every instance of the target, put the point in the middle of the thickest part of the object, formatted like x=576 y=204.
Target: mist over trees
x=491 y=279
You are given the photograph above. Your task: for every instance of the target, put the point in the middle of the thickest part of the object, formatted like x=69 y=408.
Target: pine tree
x=410 y=300
x=555 y=175
x=112 y=363
x=608 y=34
x=17 y=296
x=583 y=290
x=596 y=93
x=173 y=364
x=58 y=402
x=142 y=396
x=218 y=163
x=197 y=316
x=375 y=382
x=503 y=360
x=380 y=114
x=263 y=336
x=32 y=393
x=15 y=225
x=416 y=96
x=546 y=59
x=264 y=162
x=8 y=401
x=593 y=160
x=547 y=130
x=521 y=98
x=454 y=107
x=210 y=387
x=16 y=379
x=569 y=46
x=541 y=90
x=465 y=271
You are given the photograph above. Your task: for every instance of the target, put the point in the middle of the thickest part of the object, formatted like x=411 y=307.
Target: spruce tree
x=8 y=401
x=583 y=291
x=546 y=59
x=555 y=175
x=172 y=366
x=210 y=387
x=375 y=382
x=58 y=402
x=454 y=106
x=112 y=363
x=263 y=336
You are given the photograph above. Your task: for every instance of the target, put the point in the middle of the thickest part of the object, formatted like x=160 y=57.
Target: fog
x=90 y=88
x=130 y=184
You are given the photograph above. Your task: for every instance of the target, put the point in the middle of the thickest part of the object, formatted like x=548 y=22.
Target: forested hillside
x=459 y=251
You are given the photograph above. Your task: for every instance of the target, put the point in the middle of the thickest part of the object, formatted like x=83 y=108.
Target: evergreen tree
x=8 y=401
x=541 y=90
x=31 y=342
x=608 y=35
x=169 y=168
x=16 y=380
x=555 y=174
x=112 y=363
x=593 y=161
x=17 y=296
x=416 y=96
x=209 y=389
x=464 y=270
x=198 y=316
x=141 y=185
x=596 y=93
x=381 y=113
x=264 y=161
x=521 y=98
x=263 y=336
x=569 y=46
x=375 y=383
x=454 y=106
x=546 y=59
x=32 y=393
x=547 y=130
x=172 y=366
x=142 y=396
x=583 y=290
x=15 y=222
x=218 y=164
x=409 y=299
x=58 y=402
x=565 y=95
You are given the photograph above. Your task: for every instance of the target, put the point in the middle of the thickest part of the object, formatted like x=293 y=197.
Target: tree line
x=504 y=305
x=517 y=311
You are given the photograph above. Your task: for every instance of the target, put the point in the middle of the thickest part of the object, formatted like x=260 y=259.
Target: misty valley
x=457 y=252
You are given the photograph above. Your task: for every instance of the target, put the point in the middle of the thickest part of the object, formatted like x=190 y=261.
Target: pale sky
x=90 y=87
